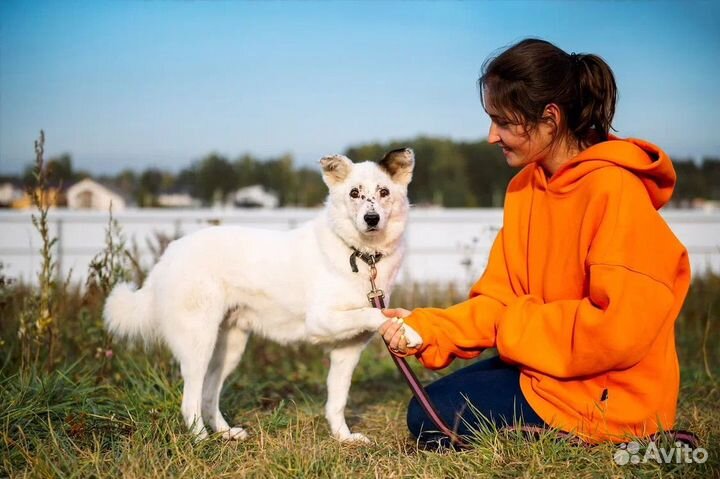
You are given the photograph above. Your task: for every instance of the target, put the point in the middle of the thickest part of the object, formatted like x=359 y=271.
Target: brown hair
x=533 y=73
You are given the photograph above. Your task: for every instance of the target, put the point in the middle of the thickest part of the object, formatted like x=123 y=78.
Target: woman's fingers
x=398 y=341
x=385 y=326
x=391 y=331
x=396 y=313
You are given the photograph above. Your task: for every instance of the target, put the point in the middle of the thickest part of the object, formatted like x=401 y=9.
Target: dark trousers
x=483 y=394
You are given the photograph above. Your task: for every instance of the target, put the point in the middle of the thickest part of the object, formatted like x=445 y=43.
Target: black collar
x=367 y=258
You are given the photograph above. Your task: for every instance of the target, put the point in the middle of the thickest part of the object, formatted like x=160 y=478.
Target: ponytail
x=597 y=95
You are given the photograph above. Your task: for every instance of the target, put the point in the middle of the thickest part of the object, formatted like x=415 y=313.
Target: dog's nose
x=372 y=219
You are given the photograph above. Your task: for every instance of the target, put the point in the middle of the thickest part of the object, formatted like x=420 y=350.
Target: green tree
x=487 y=172
x=248 y=170
x=186 y=180
x=151 y=181
x=690 y=183
x=215 y=179
x=311 y=190
x=278 y=175
x=60 y=170
x=711 y=174
x=127 y=182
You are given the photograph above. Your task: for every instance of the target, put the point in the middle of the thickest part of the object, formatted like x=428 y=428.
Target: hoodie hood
x=648 y=162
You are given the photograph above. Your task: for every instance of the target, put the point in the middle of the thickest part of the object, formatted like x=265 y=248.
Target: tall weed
x=37 y=329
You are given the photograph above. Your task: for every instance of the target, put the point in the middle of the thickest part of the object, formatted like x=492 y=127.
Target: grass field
x=106 y=410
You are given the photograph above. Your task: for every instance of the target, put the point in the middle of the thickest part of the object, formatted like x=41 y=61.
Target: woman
x=585 y=279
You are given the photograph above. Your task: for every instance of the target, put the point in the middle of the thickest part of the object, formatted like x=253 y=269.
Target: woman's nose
x=493 y=136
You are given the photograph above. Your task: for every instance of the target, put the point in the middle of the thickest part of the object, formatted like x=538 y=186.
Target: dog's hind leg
x=342 y=364
x=192 y=344
x=229 y=349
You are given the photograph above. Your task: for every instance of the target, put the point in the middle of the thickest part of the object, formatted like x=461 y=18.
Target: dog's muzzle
x=372 y=219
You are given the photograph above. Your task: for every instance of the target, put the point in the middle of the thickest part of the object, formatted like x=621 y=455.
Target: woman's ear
x=553 y=116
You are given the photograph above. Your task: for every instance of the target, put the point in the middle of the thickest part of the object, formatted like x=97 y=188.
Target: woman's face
x=520 y=146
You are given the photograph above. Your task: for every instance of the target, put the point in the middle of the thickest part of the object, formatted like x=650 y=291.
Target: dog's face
x=368 y=193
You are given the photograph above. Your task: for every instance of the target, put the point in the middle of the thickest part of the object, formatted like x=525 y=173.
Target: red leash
x=377 y=300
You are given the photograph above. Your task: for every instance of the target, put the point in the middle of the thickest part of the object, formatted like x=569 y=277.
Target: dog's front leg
x=332 y=325
x=342 y=364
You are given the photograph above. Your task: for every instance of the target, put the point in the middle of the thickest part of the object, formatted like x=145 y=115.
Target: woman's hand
x=396 y=313
x=394 y=331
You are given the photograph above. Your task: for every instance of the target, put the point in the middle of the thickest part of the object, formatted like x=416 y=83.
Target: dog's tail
x=128 y=313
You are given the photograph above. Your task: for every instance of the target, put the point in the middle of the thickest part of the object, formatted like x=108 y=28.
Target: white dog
x=214 y=287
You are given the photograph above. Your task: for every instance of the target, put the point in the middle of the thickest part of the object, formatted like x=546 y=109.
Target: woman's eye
x=354 y=193
x=500 y=121
x=384 y=192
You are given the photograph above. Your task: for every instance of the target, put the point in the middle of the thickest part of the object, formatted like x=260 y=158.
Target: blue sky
x=136 y=84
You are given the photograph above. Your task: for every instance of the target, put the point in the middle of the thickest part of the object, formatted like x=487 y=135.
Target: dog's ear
x=399 y=165
x=335 y=168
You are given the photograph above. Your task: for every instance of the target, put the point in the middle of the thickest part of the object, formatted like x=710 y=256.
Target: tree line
x=447 y=173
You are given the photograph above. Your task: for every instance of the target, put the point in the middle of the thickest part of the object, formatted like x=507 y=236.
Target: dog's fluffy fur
x=212 y=288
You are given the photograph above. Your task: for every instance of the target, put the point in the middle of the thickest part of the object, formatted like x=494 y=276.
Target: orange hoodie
x=581 y=291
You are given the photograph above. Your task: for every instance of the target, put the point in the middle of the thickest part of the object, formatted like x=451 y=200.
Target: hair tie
x=575 y=58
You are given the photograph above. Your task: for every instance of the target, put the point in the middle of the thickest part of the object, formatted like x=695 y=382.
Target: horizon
x=136 y=85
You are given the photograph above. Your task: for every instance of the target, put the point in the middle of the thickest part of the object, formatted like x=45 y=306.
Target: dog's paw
x=355 y=438
x=414 y=340
x=200 y=435
x=235 y=434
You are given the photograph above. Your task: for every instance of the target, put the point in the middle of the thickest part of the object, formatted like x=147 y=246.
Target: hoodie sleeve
x=465 y=329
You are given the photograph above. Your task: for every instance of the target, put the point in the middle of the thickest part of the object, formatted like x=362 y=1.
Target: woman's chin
x=513 y=161
x=516 y=162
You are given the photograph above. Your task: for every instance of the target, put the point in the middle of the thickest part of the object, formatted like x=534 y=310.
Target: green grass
x=99 y=416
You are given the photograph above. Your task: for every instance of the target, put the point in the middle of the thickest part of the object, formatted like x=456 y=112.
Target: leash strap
x=377 y=300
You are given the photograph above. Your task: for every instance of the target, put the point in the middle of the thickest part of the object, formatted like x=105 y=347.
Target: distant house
x=89 y=194
x=10 y=193
x=255 y=197
x=52 y=197
x=177 y=200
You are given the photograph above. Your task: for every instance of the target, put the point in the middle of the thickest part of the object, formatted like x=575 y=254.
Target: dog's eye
x=354 y=193
x=384 y=192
